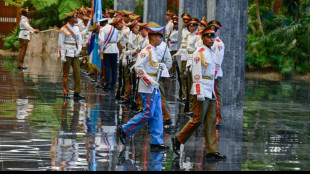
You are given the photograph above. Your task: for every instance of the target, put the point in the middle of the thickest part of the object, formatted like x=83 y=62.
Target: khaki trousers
x=183 y=78
x=204 y=112
x=22 y=52
x=75 y=63
x=164 y=104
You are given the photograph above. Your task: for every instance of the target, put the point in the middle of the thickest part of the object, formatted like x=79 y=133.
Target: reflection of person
x=66 y=150
x=24 y=37
x=147 y=66
x=70 y=47
x=154 y=164
x=203 y=91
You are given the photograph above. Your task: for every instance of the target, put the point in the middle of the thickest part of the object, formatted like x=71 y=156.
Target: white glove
x=200 y=97
x=162 y=65
x=154 y=83
x=63 y=59
x=188 y=64
x=124 y=61
x=78 y=51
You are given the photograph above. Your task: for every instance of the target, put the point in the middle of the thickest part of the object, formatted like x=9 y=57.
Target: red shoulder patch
x=201 y=50
x=218 y=40
x=148 y=48
x=197 y=33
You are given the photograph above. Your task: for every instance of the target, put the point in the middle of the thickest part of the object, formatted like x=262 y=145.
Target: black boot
x=167 y=122
x=122 y=135
x=78 y=96
x=21 y=67
x=66 y=96
x=176 y=145
x=159 y=148
x=215 y=156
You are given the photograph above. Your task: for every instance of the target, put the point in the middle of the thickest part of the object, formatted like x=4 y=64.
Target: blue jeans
x=152 y=113
x=110 y=64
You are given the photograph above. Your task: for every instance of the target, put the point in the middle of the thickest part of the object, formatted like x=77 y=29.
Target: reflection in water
x=51 y=135
x=66 y=151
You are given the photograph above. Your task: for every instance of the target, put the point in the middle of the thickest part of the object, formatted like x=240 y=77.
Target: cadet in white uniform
x=24 y=37
x=169 y=24
x=147 y=67
x=108 y=36
x=183 y=53
x=204 y=107
x=70 y=47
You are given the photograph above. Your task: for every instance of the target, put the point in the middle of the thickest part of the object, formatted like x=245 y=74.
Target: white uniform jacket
x=146 y=68
x=219 y=47
x=67 y=44
x=123 y=37
x=199 y=42
x=182 y=51
x=173 y=43
x=25 y=28
x=164 y=54
x=106 y=33
x=81 y=25
x=203 y=72
x=191 y=47
x=132 y=47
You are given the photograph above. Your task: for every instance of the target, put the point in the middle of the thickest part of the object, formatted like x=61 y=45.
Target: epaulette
x=201 y=49
x=148 y=48
x=197 y=33
x=218 y=40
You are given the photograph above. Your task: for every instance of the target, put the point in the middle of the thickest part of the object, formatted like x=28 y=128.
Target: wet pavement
x=40 y=131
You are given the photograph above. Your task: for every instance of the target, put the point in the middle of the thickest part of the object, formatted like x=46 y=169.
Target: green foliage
x=285 y=44
x=139 y=7
x=12 y=41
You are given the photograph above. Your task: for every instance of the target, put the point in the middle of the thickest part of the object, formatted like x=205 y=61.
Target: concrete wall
x=196 y=8
x=128 y=5
x=233 y=16
x=155 y=11
x=43 y=43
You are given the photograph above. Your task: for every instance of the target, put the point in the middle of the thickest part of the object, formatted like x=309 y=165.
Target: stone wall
x=128 y=5
x=43 y=43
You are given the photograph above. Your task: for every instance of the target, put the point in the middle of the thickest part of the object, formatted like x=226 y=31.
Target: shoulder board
x=126 y=28
x=201 y=49
x=148 y=48
x=218 y=40
x=197 y=33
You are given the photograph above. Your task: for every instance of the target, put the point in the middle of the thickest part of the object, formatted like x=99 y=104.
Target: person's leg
x=218 y=93
x=141 y=118
x=22 y=52
x=76 y=75
x=66 y=70
x=127 y=85
x=199 y=111
x=164 y=103
x=107 y=69
x=210 y=128
x=114 y=70
x=156 y=122
x=183 y=78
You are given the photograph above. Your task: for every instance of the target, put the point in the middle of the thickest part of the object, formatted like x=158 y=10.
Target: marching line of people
x=135 y=57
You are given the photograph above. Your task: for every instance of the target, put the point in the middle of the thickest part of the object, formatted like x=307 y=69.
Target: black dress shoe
x=78 y=96
x=66 y=96
x=167 y=122
x=159 y=148
x=21 y=67
x=176 y=145
x=122 y=135
x=215 y=156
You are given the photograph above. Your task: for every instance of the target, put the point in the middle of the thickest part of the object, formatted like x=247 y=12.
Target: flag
x=93 y=49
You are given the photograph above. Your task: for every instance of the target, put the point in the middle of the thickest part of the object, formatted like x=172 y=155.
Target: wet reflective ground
x=39 y=131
